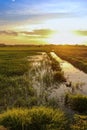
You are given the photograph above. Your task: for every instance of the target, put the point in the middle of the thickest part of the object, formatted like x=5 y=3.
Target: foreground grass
x=39 y=118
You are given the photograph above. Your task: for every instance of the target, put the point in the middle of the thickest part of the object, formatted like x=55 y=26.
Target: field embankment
x=76 y=55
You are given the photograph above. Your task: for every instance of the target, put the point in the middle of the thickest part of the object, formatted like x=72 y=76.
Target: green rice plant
x=15 y=91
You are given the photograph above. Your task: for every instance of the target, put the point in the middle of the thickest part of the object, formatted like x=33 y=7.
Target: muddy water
x=76 y=79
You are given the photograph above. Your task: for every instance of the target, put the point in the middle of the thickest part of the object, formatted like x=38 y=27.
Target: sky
x=43 y=21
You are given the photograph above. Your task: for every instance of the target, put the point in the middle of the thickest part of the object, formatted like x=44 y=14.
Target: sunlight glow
x=66 y=38
x=63 y=30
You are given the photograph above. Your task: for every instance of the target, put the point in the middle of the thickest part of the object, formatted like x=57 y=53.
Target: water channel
x=74 y=76
x=41 y=77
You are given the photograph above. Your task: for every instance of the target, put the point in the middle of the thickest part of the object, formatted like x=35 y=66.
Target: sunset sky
x=43 y=21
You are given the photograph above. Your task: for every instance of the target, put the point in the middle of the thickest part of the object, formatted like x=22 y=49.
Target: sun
x=66 y=37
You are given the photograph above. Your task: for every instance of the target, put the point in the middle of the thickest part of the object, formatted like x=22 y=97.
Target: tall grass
x=15 y=87
x=58 y=74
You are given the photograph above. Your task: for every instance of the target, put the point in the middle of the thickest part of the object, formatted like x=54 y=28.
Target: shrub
x=59 y=76
x=79 y=123
x=39 y=118
x=55 y=65
x=76 y=102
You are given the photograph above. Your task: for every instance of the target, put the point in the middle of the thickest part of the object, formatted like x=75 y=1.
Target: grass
x=58 y=74
x=15 y=88
x=79 y=122
x=14 y=63
x=39 y=118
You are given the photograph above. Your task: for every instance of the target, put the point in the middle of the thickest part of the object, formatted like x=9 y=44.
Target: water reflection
x=75 y=77
x=41 y=78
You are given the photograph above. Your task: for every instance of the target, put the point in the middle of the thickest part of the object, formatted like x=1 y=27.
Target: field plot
x=14 y=82
x=27 y=78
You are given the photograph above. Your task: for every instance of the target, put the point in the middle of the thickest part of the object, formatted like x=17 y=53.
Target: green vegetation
x=58 y=74
x=15 y=91
x=76 y=102
x=39 y=118
x=21 y=107
x=15 y=88
x=14 y=62
x=79 y=122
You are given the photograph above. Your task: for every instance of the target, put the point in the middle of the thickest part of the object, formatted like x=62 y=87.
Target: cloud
x=37 y=36
x=34 y=12
x=81 y=32
x=38 y=33
x=38 y=11
x=8 y=19
x=9 y=33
